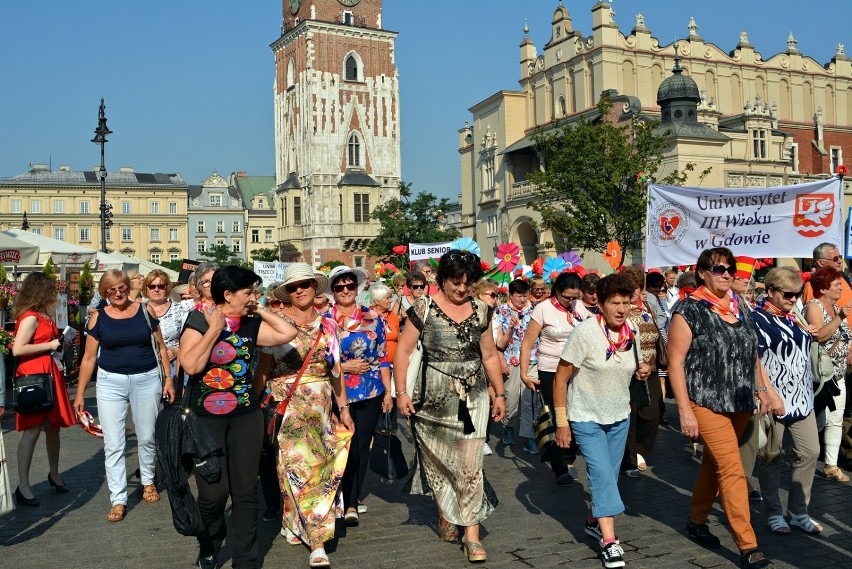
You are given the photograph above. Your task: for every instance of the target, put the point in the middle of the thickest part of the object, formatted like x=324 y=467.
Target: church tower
x=337 y=146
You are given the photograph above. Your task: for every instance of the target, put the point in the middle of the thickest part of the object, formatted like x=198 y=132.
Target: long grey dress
x=448 y=463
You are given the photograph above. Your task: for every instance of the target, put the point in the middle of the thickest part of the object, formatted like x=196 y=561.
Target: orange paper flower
x=613 y=254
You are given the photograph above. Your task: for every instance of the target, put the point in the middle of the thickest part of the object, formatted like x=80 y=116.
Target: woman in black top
x=219 y=354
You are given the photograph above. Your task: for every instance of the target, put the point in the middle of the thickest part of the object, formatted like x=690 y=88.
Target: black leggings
x=365 y=415
x=563 y=459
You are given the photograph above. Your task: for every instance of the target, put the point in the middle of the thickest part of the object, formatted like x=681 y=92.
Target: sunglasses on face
x=291 y=288
x=156 y=287
x=833 y=259
x=116 y=290
x=274 y=303
x=719 y=270
x=418 y=287
x=348 y=286
x=467 y=257
x=790 y=295
x=491 y=294
x=205 y=283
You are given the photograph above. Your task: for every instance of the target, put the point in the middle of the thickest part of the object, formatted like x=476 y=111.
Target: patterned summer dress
x=448 y=464
x=312 y=444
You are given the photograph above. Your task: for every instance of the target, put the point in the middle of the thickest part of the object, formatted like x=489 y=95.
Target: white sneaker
x=486 y=450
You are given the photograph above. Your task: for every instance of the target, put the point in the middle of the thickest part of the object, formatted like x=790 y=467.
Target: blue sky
x=188 y=83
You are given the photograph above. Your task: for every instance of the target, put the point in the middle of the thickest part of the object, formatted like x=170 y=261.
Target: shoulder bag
x=545 y=430
x=33 y=393
x=154 y=344
x=415 y=360
x=281 y=408
x=386 y=458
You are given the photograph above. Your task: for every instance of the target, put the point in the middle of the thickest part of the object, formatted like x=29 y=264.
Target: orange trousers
x=721 y=473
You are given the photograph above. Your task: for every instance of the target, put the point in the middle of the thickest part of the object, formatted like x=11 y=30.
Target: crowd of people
x=292 y=381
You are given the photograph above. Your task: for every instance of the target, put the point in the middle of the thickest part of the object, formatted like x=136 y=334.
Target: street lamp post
x=101 y=138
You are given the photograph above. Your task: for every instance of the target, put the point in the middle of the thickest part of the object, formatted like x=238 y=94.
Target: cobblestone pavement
x=537 y=524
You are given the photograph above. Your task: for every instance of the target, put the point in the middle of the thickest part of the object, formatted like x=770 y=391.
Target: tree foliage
x=223 y=255
x=266 y=254
x=589 y=191
x=410 y=219
x=49 y=269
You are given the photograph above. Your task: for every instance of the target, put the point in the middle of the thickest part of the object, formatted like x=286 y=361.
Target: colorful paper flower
x=399 y=250
x=613 y=254
x=571 y=258
x=538 y=266
x=842 y=170
x=485 y=266
x=552 y=267
x=508 y=255
x=465 y=244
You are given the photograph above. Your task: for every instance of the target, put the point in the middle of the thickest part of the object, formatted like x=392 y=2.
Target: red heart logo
x=669 y=224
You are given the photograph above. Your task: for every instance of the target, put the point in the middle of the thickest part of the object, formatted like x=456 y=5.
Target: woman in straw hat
x=313 y=443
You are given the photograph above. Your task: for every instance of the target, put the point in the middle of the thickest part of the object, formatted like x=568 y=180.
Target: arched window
x=560 y=106
x=291 y=73
x=351 y=68
x=354 y=150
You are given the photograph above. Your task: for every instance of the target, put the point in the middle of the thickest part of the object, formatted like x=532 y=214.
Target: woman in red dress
x=36 y=338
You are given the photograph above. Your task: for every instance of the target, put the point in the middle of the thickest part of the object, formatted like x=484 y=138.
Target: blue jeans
x=142 y=392
x=603 y=449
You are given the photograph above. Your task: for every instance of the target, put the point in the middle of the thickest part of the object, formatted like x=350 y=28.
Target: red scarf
x=572 y=315
x=625 y=337
x=711 y=301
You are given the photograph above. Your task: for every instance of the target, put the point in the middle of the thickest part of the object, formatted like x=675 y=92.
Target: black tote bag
x=386 y=458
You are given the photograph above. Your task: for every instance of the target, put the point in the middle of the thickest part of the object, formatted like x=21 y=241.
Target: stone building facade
x=261 y=216
x=778 y=120
x=337 y=137
x=149 y=210
x=216 y=217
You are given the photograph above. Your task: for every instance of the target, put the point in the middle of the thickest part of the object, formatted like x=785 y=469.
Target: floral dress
x=313 y=445
x=362 y=336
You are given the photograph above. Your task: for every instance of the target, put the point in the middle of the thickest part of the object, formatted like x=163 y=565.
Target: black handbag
x=386 y=458
x=33 y=393
x=545 y=431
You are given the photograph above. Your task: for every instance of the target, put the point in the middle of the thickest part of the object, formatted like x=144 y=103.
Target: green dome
x=678 y=87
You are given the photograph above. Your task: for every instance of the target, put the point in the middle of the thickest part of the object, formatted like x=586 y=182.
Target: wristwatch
x=503 y=395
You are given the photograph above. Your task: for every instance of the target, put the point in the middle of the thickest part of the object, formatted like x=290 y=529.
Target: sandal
x=474 y=551
x=832 y=472
x=777 y=524
x=150 y=494
x=318 y=558
x=117 y=513
x=805 y=523
x=448 y=533
x=291 y=537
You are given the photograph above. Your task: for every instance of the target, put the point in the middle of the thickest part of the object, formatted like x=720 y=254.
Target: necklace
x=156 y=307
x=301 y=320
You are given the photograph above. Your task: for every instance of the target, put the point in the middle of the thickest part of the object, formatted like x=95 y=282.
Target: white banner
x=270 y=271
x=784 y=221
x=420 y=251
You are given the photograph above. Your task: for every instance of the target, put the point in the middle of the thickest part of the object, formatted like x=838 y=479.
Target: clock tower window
x=351 y=68
x=354 y=147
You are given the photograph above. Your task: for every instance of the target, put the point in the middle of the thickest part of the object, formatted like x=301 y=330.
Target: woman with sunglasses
x=219 y=352
x=157 y=291
x=119 y=341
x=450 y=420
x=416 y=284
x=312 y=442
x=823 y=311
x=716 y=377
x=367 y=369
x=487 y=291
x=784 y=346
x=551 y=324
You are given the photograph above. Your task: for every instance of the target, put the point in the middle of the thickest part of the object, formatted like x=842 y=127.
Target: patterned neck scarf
x=791 y=316
x=711 y=301
x=572 y=315
x=233 y=323
x=350 y=323
x=624 y=341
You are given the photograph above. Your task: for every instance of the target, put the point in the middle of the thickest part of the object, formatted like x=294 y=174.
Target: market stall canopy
x=146 y=267
x=116 y=261
x=59 y=252
x=17 y=252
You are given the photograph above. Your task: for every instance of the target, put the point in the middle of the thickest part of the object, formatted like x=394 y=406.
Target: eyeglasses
x=418 y=287
x=293 y=287
x=571 y=298
x=719 y=270
x=205 y=283
x=788 y=295
x=274 y=303
x=834 y=259
x=538 y=289
x=116 y=290
x=156 y=287
x=467 y=257
x=491 y=294
x=347 y=286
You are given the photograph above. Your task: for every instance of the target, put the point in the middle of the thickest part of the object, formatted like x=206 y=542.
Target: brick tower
x=337 y=146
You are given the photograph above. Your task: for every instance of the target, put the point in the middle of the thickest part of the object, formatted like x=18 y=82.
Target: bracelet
x=764 y=389
x=398 y=393
x=343 y=408
x=561 y=415
x=503 y=395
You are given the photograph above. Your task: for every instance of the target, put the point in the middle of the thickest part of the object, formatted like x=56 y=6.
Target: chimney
x=241 y=174
x=64 y=168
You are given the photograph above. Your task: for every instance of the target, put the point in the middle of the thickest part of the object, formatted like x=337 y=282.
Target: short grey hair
x=378 y=292
x=203 y=268
x=821 y=250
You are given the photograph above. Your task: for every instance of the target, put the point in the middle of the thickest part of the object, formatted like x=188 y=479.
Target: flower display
x=6 y=340
x=485 y=266
x=385 y=270
x=465 y=244
x=842 y=170
x=571 y=258
x=613 y=254
x=508 y=255
x=8 y=289
x=399 y=250
x=552 y=267
x=538 y=267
